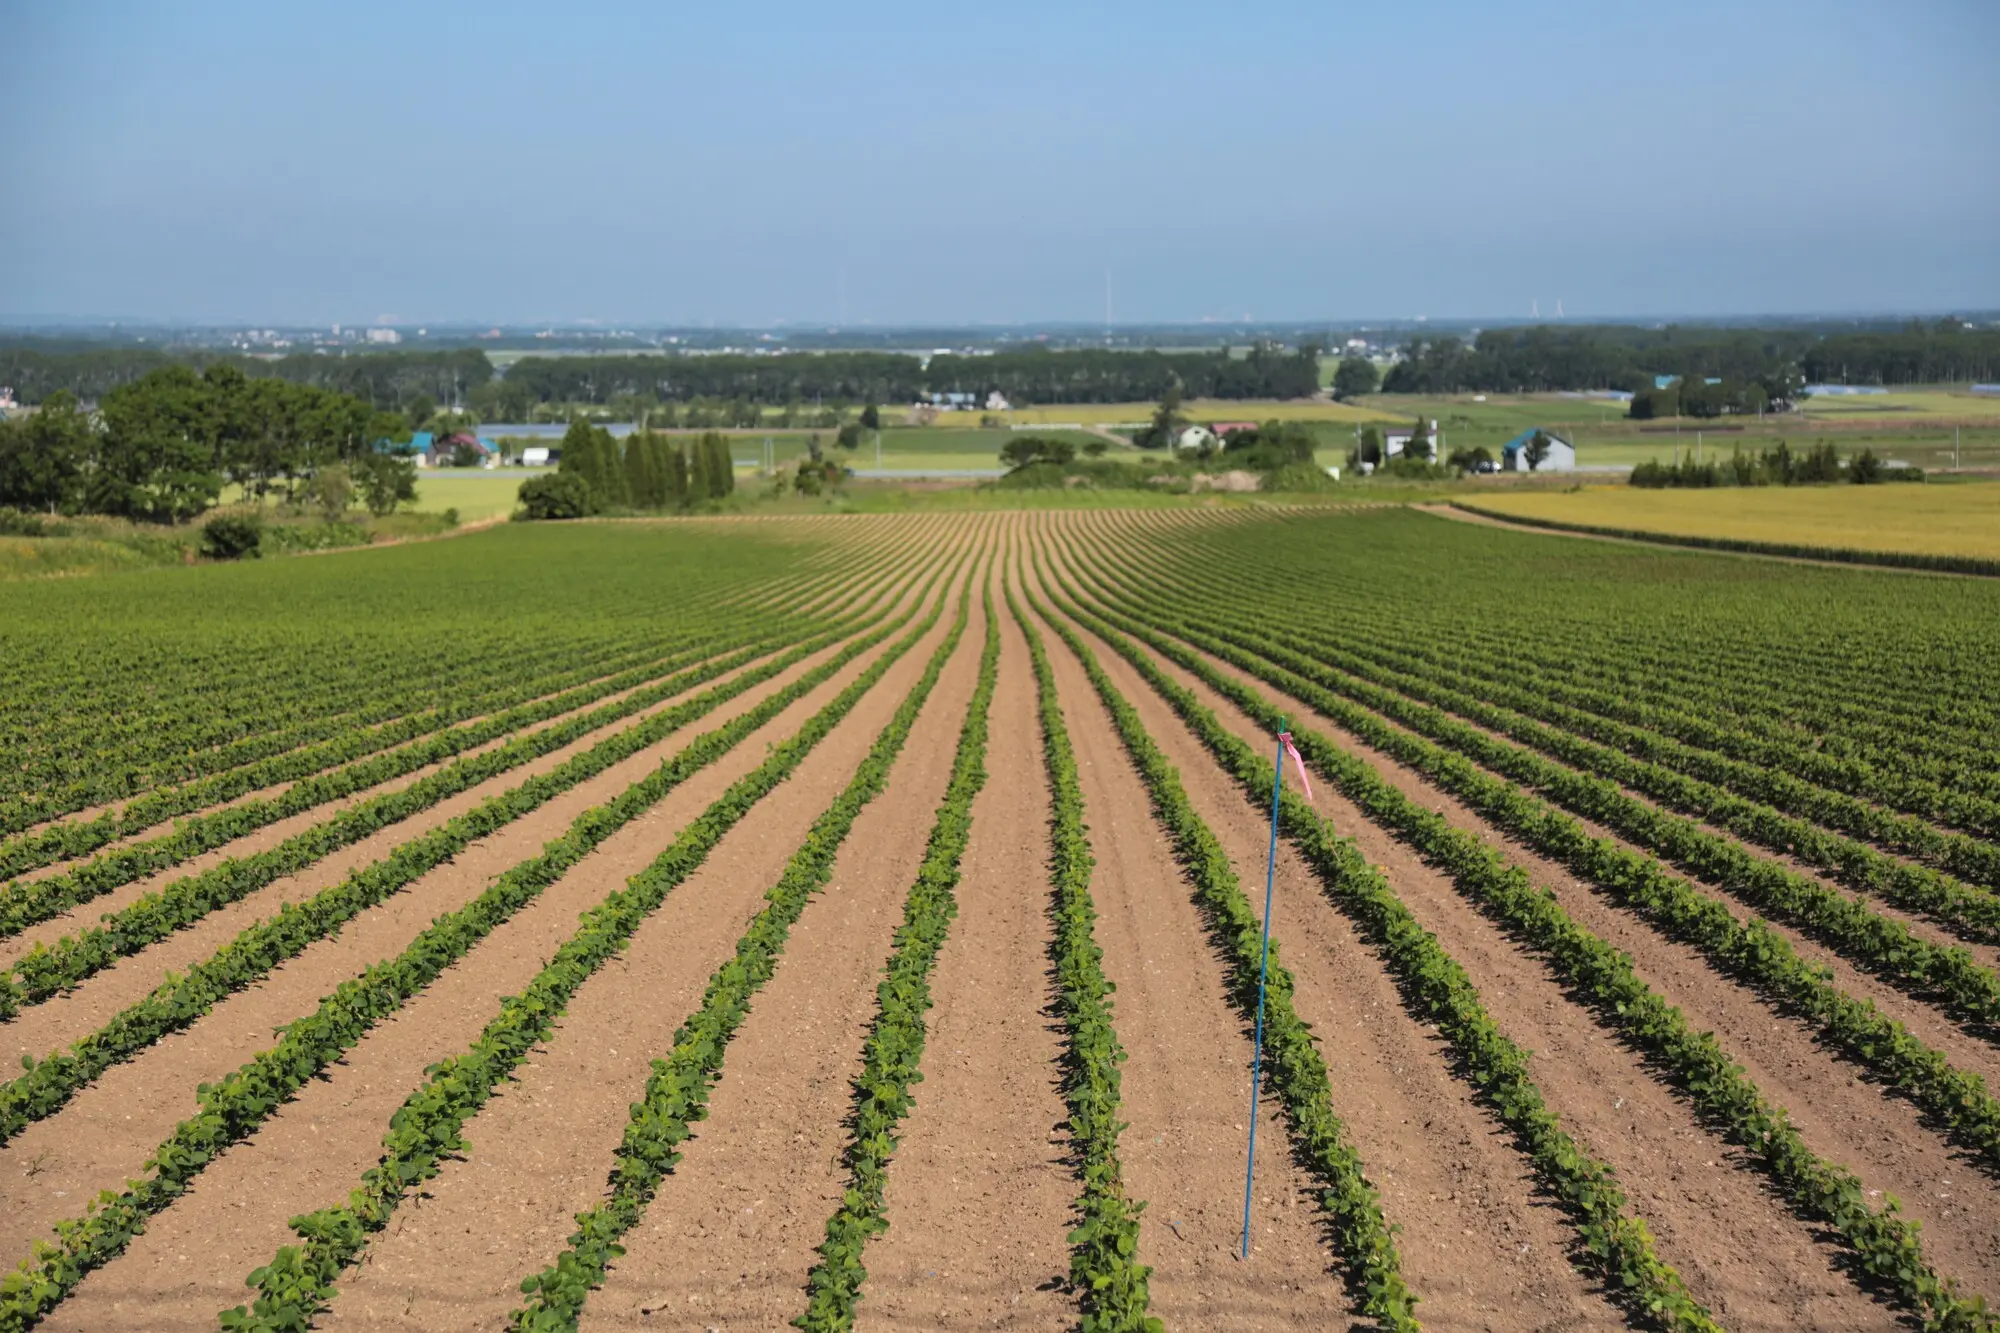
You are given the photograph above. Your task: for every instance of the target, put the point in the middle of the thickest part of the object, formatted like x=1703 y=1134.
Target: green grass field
x=475 y=494
x=1934 y=519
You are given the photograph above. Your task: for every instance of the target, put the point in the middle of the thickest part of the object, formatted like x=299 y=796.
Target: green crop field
x=514 y=923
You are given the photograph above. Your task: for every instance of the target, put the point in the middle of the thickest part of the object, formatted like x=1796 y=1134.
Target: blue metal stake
x=1263 y=967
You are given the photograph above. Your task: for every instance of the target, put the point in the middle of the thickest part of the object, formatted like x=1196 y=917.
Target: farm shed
x=1562 y=454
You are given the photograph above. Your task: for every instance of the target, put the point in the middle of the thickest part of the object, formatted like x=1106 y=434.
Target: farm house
x=1562 y=454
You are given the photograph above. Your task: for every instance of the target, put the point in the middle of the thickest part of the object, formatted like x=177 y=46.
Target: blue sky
x=953 y=162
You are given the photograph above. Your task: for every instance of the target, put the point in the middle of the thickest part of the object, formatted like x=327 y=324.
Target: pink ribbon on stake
x=1297 y=762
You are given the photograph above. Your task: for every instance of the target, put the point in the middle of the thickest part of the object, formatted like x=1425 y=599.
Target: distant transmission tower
x=1535 y=308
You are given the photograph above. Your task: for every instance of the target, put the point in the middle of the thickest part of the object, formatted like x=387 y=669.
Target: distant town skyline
x=902 y=165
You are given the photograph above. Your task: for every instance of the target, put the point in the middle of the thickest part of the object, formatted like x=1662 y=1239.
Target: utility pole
x=1954 y=448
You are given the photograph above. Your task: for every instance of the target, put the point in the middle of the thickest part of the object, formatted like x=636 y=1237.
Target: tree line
x=648 y=471
x=1023 y=377
x=401 y=381
x=162 y=447
x=1780 y=361
x=391 y=381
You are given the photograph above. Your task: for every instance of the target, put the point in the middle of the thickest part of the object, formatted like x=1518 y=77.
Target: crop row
x=232 y=1109
x=1619 y=1244
x=1875 y=818
x=1298 y=1074
x=1946 y=976
x=143 y=690
x=22 y=904
x=70 y=838
x=1752 y=952
x=625 y=664
x=1606 y=636
x=894 y=1050
x=1103 y=1267
x=429 y=1126
x=1885 y=1245
x=1658 y=723
x=44 y=972
x=248 y=958
x=1712 y=790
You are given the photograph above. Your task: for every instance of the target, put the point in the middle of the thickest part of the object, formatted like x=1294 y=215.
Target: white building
x=384 y=336
x=1514 y=454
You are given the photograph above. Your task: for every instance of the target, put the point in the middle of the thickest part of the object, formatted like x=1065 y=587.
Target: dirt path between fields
x=314 y=1149
x=1186 y=1082
x=981 y=1192
x=1480 y=1244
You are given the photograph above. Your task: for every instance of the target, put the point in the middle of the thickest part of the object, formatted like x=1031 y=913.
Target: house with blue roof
x=1514 y=453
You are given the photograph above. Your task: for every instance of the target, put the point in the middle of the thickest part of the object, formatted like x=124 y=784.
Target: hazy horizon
x=902 y=166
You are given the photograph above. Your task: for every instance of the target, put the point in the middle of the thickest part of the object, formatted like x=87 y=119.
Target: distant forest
x=1611 y=356
x=1542 y=358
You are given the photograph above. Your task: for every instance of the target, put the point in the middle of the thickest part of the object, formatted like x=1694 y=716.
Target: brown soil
x=1676 y=1172
x=542 y=1147
x=106 y=1133
x=729 y=1240
x=1186 y=1081
x=65 y=1018
x=980 y=1193
x=278 y=789
x=314 y=1149
x=1879 y=1136
x=1480 y=1244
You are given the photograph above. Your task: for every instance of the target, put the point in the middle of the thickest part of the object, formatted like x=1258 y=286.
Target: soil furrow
x=980 y=1192
x=313 y=1150
x=1843 y=1117
x=730 y=1238
x=1679 y=1175
x=106 y=1133
x=1186 y=1081
x=1481 y=1246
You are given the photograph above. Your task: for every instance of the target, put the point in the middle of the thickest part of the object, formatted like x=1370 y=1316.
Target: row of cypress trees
x=650 y=471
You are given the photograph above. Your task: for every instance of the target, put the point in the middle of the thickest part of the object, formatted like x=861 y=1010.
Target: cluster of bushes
x=1779 y=466
x=1278 y=454
x=649 y=472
